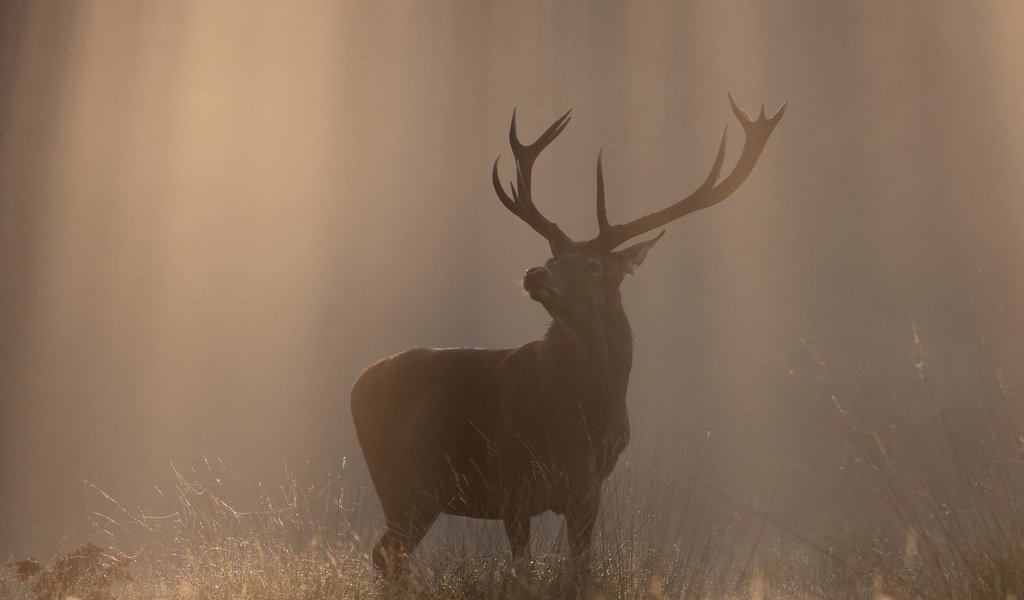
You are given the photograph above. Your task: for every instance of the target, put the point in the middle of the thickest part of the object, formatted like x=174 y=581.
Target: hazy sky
x=213 y=215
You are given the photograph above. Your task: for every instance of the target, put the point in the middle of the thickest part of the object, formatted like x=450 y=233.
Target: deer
x=507 y=434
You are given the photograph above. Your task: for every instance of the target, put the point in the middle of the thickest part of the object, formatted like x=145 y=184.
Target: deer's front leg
x=517 y=528
x=579 y=524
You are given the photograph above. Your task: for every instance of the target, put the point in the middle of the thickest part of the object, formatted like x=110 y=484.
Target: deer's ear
x=633 y=256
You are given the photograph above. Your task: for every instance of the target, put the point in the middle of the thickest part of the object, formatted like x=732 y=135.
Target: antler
x=756 y=134
x=521 y=202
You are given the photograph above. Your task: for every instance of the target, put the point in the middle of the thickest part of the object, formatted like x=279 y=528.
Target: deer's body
x=510 y=433
x=497 y=434
x=493 y=434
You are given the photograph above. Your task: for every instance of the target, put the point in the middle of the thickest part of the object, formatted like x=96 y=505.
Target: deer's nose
x=536 y=272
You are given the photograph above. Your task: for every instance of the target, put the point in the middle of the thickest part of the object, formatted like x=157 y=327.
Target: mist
x=213 y=216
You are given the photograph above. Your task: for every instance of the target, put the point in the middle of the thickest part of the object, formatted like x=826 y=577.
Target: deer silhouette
x=510 y=433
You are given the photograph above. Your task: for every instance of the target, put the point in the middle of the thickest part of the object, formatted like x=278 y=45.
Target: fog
x=213 y=215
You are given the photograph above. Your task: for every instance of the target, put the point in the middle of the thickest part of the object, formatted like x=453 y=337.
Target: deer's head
x=580 y=286
x=581 y=280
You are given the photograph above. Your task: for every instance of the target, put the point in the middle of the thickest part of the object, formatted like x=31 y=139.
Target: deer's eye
x=594 y=267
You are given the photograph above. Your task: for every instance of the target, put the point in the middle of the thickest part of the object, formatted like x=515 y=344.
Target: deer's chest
x=572 y=434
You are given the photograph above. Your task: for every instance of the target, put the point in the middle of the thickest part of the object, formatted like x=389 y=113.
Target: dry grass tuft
x=87 y=573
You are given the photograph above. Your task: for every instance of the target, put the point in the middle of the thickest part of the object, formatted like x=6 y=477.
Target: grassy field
x=939 y=486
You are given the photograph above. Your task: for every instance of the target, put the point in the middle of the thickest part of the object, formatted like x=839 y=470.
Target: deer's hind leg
x=407 y=523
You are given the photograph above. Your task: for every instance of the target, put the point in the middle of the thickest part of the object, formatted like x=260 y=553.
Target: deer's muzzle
x=537 y=282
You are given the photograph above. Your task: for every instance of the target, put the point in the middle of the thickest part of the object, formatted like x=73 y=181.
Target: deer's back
x=423 y=386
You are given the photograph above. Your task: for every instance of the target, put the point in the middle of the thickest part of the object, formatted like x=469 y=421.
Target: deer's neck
x=590 y=364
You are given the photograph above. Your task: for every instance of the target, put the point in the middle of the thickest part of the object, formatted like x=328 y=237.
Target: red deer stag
x=510 y=433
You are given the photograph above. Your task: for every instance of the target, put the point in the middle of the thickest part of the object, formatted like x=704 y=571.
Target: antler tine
x=541 y=142
x=602 y=214
x=500 y=190
x=520 y=203
x=756 y=133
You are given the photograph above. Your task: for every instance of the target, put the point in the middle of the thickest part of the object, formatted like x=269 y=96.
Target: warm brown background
x=214 y=214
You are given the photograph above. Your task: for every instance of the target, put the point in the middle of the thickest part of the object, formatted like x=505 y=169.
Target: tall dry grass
x=937 y=481
x=214 y=537
x=935 y=486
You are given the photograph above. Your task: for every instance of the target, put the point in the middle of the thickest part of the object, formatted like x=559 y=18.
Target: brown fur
x=505 y=434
